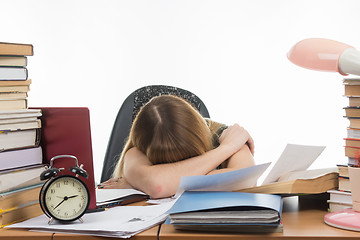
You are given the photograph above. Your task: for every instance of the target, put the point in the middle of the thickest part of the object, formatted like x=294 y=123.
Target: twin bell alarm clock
x=64 y=197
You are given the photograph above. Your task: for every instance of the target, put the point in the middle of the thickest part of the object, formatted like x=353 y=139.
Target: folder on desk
x=227 y=211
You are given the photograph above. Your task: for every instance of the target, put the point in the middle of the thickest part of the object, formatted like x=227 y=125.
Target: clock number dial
x=65 y=198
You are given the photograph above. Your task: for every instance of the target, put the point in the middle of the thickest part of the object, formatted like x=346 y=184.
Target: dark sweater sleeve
x=216 y=130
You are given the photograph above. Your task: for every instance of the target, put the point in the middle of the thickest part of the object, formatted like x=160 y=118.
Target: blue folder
x=193 y=201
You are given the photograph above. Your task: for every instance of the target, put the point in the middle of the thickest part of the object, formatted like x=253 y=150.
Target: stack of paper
x=122 y=222
x=225 y=217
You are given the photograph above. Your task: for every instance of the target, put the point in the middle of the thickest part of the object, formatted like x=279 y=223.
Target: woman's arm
x=241 y=159
x=162 y=180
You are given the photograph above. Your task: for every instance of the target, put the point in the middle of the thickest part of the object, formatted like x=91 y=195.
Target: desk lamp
x=329 y=55
x=325 y=55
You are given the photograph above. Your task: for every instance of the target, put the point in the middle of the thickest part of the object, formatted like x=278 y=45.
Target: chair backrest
x=127 y=113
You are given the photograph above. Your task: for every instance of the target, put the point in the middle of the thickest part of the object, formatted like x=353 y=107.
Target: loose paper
x=294 y=158
x=228 y=181
x=104 y=195
x=122 y=221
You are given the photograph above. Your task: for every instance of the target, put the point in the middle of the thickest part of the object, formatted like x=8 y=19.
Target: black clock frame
x=44 y=190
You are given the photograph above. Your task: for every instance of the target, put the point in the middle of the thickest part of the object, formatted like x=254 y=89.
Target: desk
x=302 y=219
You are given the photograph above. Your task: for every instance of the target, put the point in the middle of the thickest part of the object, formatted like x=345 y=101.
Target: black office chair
x=127 y=113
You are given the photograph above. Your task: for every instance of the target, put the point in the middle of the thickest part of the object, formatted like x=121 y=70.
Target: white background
x=232 y=54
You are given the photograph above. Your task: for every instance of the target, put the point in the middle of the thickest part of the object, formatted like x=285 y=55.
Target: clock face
x=65 y=198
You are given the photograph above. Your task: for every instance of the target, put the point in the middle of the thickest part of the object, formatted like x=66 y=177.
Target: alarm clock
x=64 y=198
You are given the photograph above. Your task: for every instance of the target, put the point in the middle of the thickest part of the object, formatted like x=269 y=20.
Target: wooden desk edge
x=12 y=233
x=148 y=234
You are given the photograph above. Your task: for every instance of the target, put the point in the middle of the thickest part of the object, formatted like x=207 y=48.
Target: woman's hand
x=115 y=183
x=236 y=137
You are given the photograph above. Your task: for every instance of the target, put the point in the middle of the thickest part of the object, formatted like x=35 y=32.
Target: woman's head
x=168 y=129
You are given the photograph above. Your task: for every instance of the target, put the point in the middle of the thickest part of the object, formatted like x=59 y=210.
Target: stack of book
x=20 y=151
x=14 y=82
x=341 y=198
x=352 y=113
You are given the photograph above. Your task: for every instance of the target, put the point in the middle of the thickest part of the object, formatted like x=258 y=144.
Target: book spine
x=13 y=73
x=16 y=49
x=353 y=133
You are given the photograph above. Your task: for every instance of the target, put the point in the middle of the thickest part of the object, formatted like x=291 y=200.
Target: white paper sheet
x=229 y=181
x=123 y=221
x=103 y=195
x=294 y=158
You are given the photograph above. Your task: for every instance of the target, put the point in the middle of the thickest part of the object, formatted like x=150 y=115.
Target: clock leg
x=81 y=220
x=50 y=221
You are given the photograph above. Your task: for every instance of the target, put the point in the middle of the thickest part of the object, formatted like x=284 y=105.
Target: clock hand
x=65 y=198
x=73 y=196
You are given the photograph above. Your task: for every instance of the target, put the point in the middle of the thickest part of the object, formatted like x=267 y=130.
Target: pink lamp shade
x=325 y=55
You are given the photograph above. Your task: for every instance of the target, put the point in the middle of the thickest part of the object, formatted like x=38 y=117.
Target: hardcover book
x=14 y=199
x=20 y=214
x=67 y=131
x=20 y=158
x=303 y=182
x=10 y=140
x=13 y=61
x=290 y=174
x=13 y=73
x=18 y=178
x=16 y=49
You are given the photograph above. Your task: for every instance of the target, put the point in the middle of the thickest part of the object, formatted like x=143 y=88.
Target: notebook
x=106 y=198
x=66 y=131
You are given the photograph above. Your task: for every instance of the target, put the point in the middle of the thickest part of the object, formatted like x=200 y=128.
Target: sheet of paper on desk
x=294 y=158
x=123 y=221
x=228 y=181
x=103 y=195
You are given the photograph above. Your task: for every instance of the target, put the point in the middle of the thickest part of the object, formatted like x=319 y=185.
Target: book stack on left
x=20 y=151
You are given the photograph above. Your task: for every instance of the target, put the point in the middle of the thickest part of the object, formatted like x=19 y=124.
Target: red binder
x=66 y=131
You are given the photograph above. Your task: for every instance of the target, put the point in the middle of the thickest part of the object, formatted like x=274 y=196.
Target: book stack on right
x=20 y=152
x=352 y=113
x=341 y=198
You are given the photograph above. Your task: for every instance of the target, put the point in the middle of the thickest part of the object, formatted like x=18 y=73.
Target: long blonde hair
x=167 y=129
